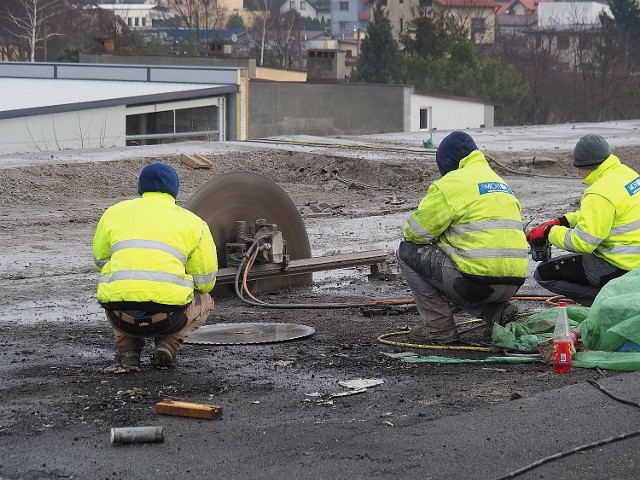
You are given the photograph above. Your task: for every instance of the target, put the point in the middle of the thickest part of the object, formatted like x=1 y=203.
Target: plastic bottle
x=562 y=341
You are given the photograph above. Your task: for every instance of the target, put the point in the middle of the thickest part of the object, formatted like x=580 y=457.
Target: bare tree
x=199 y=15
x=263 y=14
x=286 y=41
x=31 y=23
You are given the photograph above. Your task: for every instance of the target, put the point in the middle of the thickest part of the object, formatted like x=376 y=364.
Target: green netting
x=612 y=323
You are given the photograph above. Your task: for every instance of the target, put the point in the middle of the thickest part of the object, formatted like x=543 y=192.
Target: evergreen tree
x=626 y=17
x=379 y=60
x=430 y=34
x=441 y=59
x=235 y=22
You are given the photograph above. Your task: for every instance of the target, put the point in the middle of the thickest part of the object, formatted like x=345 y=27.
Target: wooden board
x=186 y=409
x=196 y=161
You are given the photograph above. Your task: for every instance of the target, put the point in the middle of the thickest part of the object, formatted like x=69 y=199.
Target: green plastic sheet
x=612 y=322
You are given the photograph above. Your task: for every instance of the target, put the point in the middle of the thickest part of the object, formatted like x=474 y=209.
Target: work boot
x=501 y=313
x=427 y=336
x=128 y=359
x=164 y=356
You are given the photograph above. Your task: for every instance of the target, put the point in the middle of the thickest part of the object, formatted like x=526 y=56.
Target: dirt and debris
x=57 y=404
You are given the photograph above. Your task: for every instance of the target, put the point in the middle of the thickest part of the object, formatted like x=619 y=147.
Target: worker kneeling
x=158 y=264
x=464 y=245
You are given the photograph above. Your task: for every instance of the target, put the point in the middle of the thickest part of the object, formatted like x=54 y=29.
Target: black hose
x=581 y=448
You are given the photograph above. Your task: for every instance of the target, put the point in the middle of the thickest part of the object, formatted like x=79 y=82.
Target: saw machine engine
x=271 y=246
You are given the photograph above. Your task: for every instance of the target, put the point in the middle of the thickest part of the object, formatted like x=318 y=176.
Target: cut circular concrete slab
x=248 y=333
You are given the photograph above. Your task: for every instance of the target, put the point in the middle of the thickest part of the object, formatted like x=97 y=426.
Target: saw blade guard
x=248 y=198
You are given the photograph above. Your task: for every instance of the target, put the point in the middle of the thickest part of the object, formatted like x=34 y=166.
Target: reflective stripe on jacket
x=608 y=221
x=472 y=214
x=151 y=250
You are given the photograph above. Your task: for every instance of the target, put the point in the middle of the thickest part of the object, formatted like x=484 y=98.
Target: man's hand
x=540 y=233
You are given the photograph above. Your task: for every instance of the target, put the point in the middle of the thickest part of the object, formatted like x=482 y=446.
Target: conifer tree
x=379 y=59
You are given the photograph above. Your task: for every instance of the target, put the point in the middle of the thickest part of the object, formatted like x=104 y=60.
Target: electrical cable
x=248 y=261
x=425 y=151
x=250 y=257
x=422 y=151
x=383 y=339
x=615 y=397
x=580 y=448
x=518 y=172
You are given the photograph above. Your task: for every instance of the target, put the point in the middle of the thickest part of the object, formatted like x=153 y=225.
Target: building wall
x=355 y=109
x=347 y=15
x=449 y=113
x=401 y=14
x=566 y=14
x=95 y=128
x=174 y=60
x=326 y=109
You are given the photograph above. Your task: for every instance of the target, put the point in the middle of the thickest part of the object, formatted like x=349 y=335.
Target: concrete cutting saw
x=239 y=205
x=242 y=208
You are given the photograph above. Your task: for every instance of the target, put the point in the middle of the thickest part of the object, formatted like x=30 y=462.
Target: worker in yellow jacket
x=157 y=265
x=603 y=235
x=464 y=245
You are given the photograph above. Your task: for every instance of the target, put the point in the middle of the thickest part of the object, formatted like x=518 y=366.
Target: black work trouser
x=577 y=276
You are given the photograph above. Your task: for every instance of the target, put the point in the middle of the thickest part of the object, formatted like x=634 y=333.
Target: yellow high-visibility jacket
x=608 y=221
x=472 y=214
x=151 y=250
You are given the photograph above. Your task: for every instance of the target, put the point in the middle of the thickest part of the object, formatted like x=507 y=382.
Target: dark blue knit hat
x=453 y=148
x=158 y=177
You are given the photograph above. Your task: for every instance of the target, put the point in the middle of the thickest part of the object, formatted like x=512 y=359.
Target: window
x=425 y=3
x=344 y=6
x=292 y=5
x=303 y=5
x=562 y=42
x=199 y=123
x=425 y=118
x=477 y=28
x=344 y=26
x=401 y=25
x=143 y=21
x=585 y=42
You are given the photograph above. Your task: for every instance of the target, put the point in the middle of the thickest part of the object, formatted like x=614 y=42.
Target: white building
x=70 y=106
x=563 y=15
x=135 y=15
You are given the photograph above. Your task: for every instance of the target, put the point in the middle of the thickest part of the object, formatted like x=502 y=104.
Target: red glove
x=540 y=233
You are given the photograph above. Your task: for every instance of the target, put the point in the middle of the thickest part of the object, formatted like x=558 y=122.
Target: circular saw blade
x=248 y=333
x=250 y=196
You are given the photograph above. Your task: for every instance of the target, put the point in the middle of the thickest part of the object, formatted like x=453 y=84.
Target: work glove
x=540 y=233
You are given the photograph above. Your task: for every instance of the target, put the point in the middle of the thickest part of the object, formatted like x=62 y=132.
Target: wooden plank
x=195 y=161
x=187 y=409
x=204 y=161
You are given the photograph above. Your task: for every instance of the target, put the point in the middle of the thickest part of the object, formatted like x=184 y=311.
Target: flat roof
x=31 y=96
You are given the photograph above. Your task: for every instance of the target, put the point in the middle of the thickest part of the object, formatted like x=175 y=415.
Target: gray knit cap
x=590 y=151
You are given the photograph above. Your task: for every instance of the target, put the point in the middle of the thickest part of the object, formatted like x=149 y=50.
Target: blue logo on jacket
x=494 y=187
x=633 y=186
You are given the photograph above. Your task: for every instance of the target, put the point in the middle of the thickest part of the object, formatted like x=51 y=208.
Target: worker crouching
x=602 y=237
x=158 y=264
x=464 y=245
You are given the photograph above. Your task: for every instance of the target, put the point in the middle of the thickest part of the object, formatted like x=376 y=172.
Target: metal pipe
x=137 y=435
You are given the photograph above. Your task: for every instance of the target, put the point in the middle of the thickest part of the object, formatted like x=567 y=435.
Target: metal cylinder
x=137 y=435
x=241 y=228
